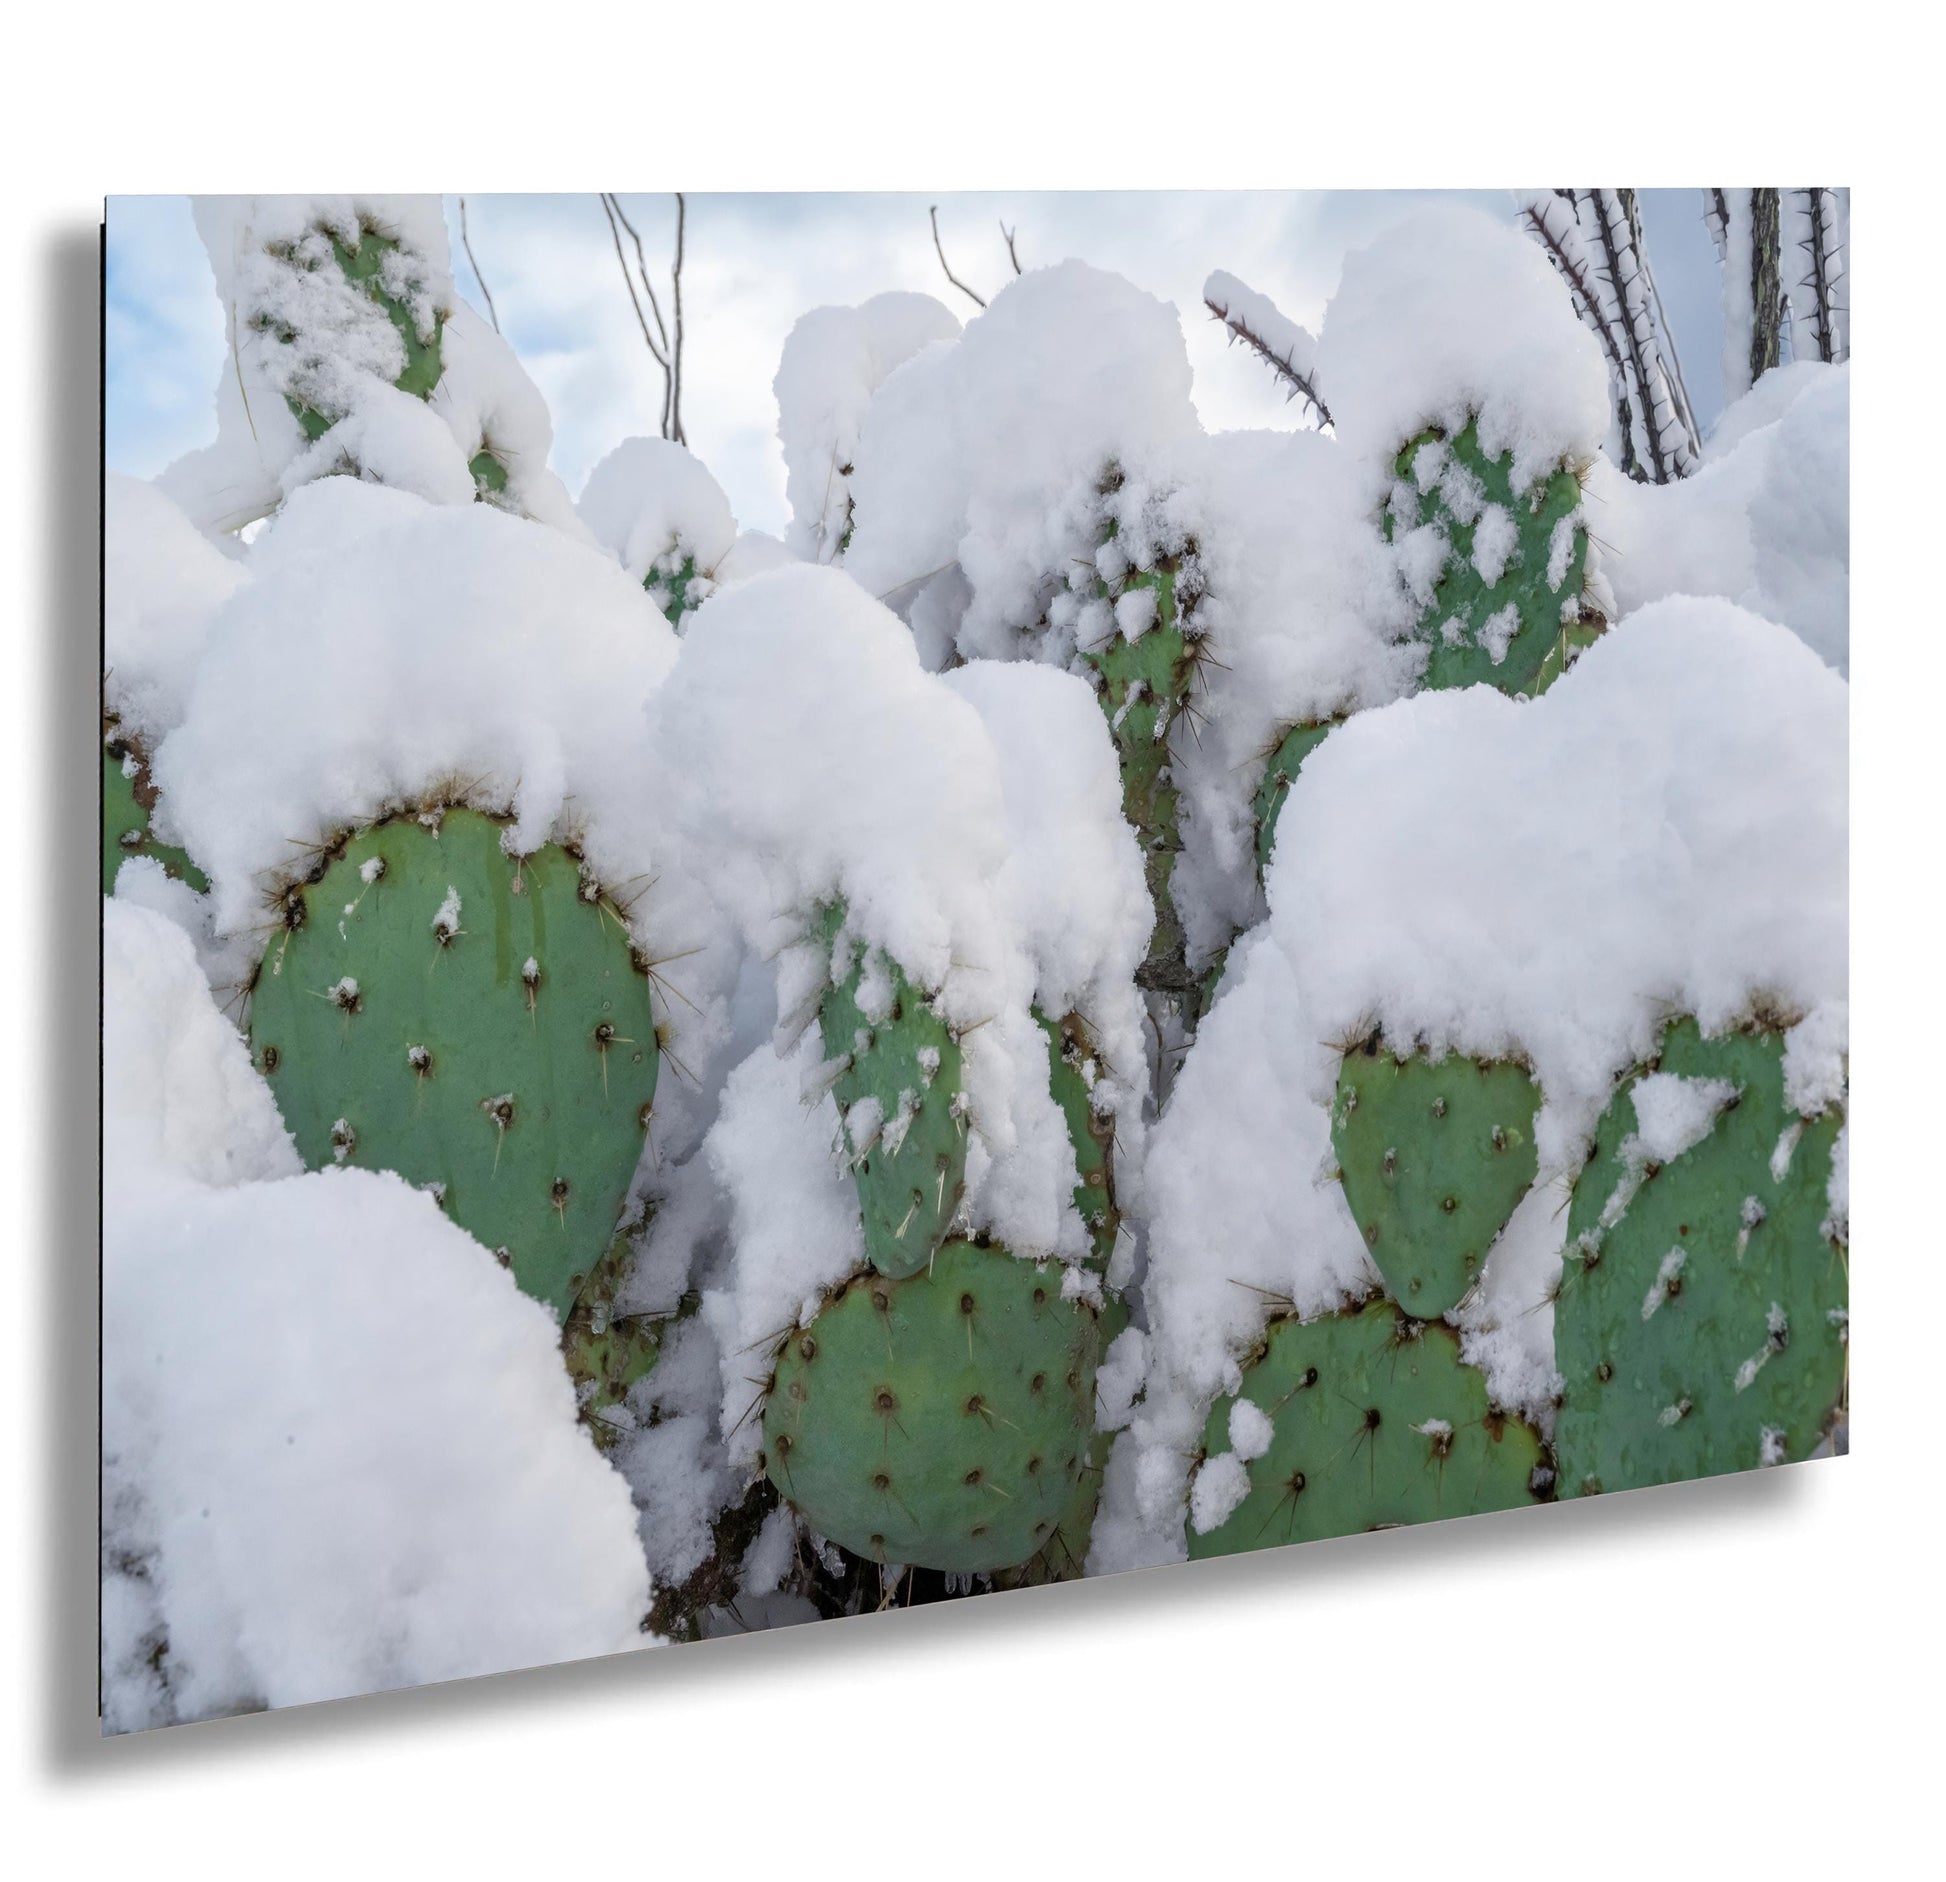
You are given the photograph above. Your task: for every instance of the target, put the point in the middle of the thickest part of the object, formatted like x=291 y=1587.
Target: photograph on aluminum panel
x=814 y=903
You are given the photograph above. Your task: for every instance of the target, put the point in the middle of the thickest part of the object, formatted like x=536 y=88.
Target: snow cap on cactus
x=810 y=762
x=388 y=648
x=1664 y=832
x=351 y=351
x=339 y=1449
x=1449 y=314
x=834 y=359
x=978 y=453
x=162 y=582
x=655 y=507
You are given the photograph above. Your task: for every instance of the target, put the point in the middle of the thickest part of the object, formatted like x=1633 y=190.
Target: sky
x=754 y=263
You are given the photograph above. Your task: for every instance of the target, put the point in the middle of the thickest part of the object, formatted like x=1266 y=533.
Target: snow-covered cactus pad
x=609 y=1348
x=476 y=1021
x=1497 y=571
x=1435 y=1156
x=1074 y=1068
x=896 y=1078
x=940 y=1420
x=1361 y=1420
x=1144 y=670
x=1701 y=1320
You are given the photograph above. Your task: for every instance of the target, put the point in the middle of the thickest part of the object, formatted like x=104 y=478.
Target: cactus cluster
x=1701 y=1321
x=937 y=1409
x=1370 y=1417
x=477 y=1021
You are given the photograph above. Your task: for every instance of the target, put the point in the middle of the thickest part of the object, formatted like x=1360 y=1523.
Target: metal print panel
x=1008 y=907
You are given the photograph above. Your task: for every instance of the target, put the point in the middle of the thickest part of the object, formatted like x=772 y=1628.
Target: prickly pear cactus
x=1434 y=1157
x=1508 y=592
x=1074 y=1066
x=897 y=1085
x=475 y=1021
x=1280 y=772
x=676 y=585
x=941 y=1420
x=127 y=804
x=1366 y=1420
x=1701 y=1320
x=1144 y=687
x=387 y=275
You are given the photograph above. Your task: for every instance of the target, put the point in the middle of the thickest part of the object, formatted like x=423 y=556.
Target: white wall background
x=1703 y=1681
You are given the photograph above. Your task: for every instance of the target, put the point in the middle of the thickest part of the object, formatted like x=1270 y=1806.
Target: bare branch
x=1009 y=234
x=466 y=242
x=612 y=209
x=675 y=407
x=944 y=263
x=664 y=353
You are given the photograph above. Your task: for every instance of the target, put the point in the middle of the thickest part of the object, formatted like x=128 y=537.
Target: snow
x=794 y=1221
x=387 y=644
x=303 y=1497
x=1218 y=1492
x=1250 y=1429
x=1676 y=804
x=985 y=452
x=1449 y=313
x=1674 y=1114
x=162 y=581
x=1766 y=521
x=649 y=497
x=834 y=359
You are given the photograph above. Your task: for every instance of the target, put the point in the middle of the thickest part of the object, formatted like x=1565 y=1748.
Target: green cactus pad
x=1144 y=684
x=1376 y=1422
x=1280 y=772
x=941 y=1420
x=669 y=590
x=912 y=1172
x=1701 y=1320
x=1073 y=1067
x=1435 y=1157
x=127 y=802
x=1466 y=622
x=507 y=1054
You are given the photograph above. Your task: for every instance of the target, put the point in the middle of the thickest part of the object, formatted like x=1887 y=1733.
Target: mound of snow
x=162 y=580
x=1766 y=522
x=1449 y=313
x=834 y=359
x=975 y=453
x=649 y=499
x=340 y=1450
x=388 y=646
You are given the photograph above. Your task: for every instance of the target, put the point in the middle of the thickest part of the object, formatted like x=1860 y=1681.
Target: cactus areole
x=479 y=1023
